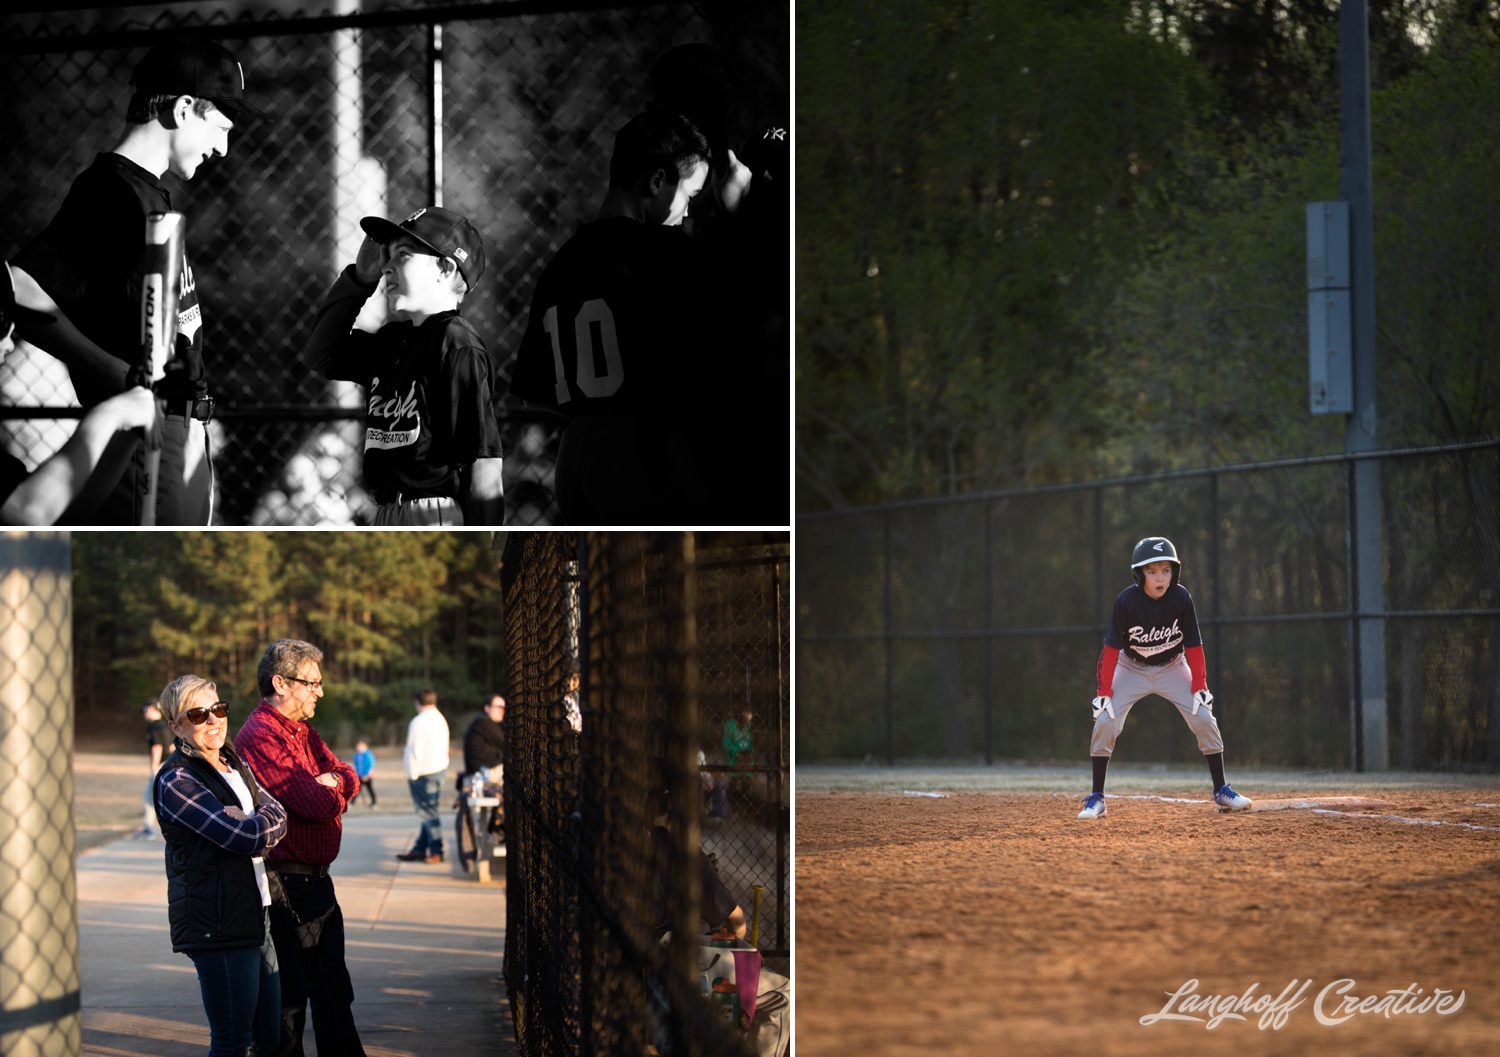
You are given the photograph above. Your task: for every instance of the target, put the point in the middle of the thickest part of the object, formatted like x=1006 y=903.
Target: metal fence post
x=39 y=988
x=1356 y=704
x=890 y=663
x=1098 y=491
x=435 y=97
x=783 y=808
x=1213 y=572
x=989 y=638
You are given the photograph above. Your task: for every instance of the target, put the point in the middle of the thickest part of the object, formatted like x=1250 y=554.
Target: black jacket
x=484 y=744
x=213 y=902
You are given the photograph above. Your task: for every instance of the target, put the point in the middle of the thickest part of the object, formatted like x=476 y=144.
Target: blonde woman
x=218 y=821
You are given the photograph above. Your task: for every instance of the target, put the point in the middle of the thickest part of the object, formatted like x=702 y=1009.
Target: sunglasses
x=198 y=714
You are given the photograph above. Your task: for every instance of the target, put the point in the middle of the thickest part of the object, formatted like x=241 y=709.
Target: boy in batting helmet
x=1153 y=647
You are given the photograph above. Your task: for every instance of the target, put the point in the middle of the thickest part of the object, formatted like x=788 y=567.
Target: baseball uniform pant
x=632 y=470
x=438 y=510
x=1173 y=681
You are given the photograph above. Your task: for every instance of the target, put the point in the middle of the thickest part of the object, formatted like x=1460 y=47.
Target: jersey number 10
x=593 y=314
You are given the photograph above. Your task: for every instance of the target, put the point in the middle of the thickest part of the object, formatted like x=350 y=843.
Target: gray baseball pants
x=1172 y=681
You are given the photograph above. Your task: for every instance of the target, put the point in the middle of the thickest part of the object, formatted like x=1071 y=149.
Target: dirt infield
x=996 y=923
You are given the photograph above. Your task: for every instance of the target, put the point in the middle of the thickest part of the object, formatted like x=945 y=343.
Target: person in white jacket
x=426 y=769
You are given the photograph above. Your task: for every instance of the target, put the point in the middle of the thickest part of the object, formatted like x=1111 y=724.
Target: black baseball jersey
x=428 y=390
x=1150 y=630
x=618 y=324
x=89 y=258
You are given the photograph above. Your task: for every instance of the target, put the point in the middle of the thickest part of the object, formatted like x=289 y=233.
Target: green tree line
x=392 y=612
x=1059 y=241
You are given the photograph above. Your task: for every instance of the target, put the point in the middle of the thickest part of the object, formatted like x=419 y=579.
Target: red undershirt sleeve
x=1105 y=677
x=1198 y=666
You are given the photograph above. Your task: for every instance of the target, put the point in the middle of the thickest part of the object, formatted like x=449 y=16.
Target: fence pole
x=890 y=708
x=435 y=97
x=39 y=999
x=1213 y=571
x=1356 y=703
x=782 y=806
x=989 y=637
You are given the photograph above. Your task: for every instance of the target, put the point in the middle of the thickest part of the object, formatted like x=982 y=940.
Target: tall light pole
x=1360 y=430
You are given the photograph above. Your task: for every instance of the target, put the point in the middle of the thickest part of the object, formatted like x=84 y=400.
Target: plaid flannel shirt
x=288 y=755
x=184 y=799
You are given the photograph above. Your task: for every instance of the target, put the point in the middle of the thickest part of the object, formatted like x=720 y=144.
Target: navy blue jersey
x=1153 y=630
x=429 y=409
x=620 y=325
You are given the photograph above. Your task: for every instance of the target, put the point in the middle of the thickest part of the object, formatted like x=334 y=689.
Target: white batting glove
x=1104 y=704
x=1202 y=699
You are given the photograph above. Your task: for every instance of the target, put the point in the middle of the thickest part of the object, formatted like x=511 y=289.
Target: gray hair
x=285 y=658
x=174 y=698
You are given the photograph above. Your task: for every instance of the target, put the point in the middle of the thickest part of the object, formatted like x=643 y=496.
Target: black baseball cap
x=198 y=67
x=444 y=232
x=10 y=312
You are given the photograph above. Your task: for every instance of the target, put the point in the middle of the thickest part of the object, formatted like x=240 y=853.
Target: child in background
x=364 y=766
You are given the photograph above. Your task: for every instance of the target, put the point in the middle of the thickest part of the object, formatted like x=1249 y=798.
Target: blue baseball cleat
x=1229 y=800
x=1093 y=807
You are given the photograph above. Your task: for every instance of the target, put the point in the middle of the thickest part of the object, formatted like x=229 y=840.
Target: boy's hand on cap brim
x=370 y=261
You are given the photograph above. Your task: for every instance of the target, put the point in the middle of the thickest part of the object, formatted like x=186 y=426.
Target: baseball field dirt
x=992 y=923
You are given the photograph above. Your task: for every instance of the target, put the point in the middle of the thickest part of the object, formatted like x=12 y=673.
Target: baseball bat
x=161 y=290
x=755 y=916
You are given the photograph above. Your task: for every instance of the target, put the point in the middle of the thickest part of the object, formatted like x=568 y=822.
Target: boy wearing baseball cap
x=188 y=95
x=84 y=468
x=432 y=444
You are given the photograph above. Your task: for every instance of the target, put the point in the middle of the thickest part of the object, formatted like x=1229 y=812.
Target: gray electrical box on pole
x=1330 y=338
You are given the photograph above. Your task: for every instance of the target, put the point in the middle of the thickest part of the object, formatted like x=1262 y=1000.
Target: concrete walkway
x=425 y=947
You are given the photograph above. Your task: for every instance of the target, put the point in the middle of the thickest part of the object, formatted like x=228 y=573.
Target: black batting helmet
x=1154 y=549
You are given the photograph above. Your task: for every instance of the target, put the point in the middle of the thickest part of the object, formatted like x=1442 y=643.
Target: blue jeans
x=426 y=793
x=242 y=997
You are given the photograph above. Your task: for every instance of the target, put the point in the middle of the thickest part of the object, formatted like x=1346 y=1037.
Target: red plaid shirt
x=287 y=756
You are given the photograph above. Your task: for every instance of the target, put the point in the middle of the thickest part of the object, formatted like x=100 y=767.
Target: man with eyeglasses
x=316 y=788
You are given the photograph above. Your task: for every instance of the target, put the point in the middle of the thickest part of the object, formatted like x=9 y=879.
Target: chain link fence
x=970 y=628
x=39 y=971
x=657 y=629
x=505 y=113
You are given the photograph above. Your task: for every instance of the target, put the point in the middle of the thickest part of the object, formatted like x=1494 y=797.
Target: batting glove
x=1104 y=704
x=1202 y=699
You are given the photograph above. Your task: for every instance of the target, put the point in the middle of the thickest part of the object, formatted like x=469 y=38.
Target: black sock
x=1101 y=764
x=1216 y=768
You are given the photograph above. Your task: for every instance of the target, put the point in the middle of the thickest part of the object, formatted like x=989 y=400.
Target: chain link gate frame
x=647 y=621
x=529 y=96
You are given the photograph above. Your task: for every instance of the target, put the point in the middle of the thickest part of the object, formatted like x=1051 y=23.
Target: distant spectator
x=364 y=767
x=159 y=742
x=426 y=761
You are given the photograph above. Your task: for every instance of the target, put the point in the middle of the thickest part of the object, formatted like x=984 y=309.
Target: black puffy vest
x=213 y=901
